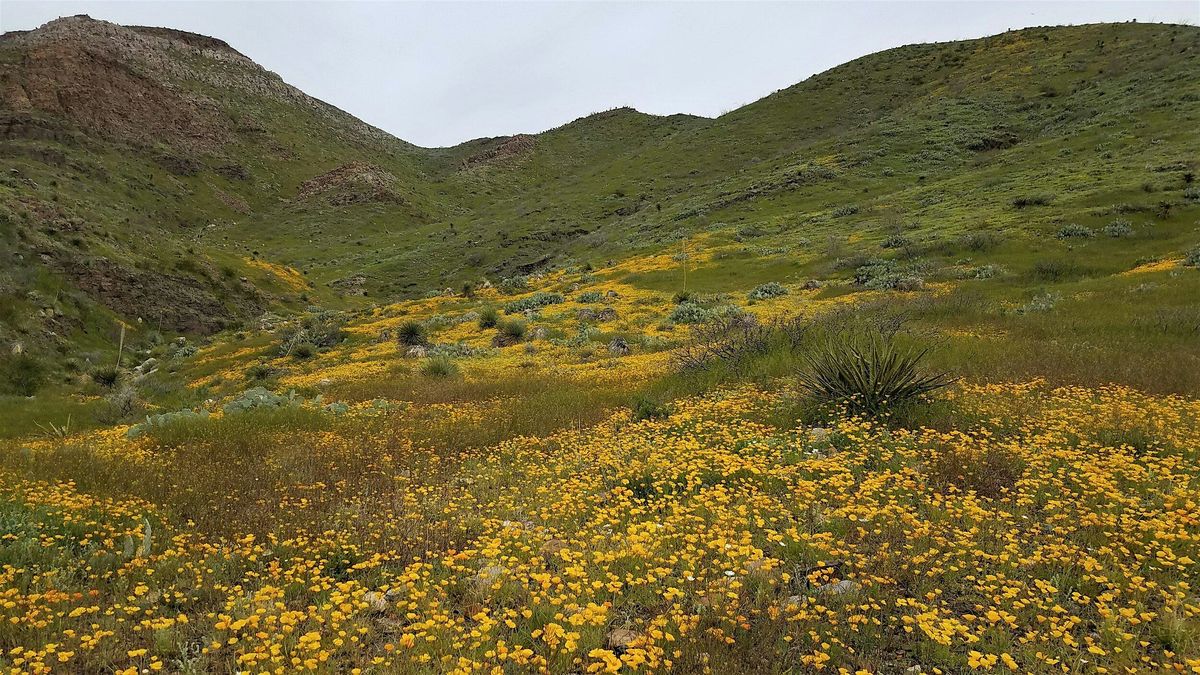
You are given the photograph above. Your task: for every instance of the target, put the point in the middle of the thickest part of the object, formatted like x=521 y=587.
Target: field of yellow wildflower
x=513 y=514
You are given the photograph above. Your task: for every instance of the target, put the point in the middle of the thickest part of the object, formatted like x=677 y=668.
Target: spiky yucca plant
x=870 y=372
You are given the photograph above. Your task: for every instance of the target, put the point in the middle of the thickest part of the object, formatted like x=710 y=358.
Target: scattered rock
x=839 y=588
x=416 y=352
x=551 y=548
x=376 y=602
x=813 y=284
x=621 y=638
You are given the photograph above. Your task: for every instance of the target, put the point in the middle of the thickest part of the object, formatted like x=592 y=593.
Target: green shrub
x=1043 y=199
x=1192 y=259
x=259 y=372
x=683 y=296
x=884 y=275
x=439 y=366
x=869 y=371
x=1075 y=231
x=106 y=376
x=488 y=317
x=509 y=332
x=412 y=334
x=689 y=312
x=1119 y=228
x=535 y=301
x=845 y=210
x=515 y=284
x=896 y=241
x=646 y=408
x=303 y=351
x=590 y=296
x=980 y=241
x=22 y=374
x=771 y=289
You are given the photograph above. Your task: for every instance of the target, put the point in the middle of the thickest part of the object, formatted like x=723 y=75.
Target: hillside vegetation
x=892 y=371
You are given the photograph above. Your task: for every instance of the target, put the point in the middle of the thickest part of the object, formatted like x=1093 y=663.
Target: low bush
x=1075 y=231
x=106 y=376
x=590 y=297
x=1043 y=199
x=771 y=289
x=1119 y=228
x=535 y=301
x=647 y=408
x=488 y=317
x=21 y=374
x=509 y=332
x=439 y=367
x=869 y=371
x=689 y=312
x=412 y=334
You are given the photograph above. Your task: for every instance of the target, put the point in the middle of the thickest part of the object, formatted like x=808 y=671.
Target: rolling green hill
x=159 y=176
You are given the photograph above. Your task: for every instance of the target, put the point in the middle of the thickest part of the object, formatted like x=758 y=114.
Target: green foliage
x=647 y=408
x=590 y=297
x=412 y=333
x=771 y=289
x=1119 y=228
x=440 y=366
x=1192 y=258
x=535 y=301
x=260 y=371
x=1042 y=199
x=21 y=374
x=488 y=317
x=510 y=331
x=689 y=312
x=1075 y=231
x=106 y=376
x=882 y=275
x=869 y=371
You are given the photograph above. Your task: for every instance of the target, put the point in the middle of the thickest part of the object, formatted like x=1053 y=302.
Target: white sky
x=438 y=73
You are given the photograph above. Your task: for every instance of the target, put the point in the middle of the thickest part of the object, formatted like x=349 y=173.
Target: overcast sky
x=438 y=73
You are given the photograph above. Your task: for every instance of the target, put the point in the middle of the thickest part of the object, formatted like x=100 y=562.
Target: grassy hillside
x=283 y=393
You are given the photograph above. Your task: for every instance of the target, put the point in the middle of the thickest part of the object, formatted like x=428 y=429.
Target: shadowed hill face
x=137 y=153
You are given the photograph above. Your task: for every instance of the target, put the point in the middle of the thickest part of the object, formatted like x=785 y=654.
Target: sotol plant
x=870 y=371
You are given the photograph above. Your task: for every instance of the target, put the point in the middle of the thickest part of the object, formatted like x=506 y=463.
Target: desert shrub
x=119 y=405
x=987 y=271
x=517 y=284
x=259 y=397
x=303 y=351
x=771 y=289
x=509 y=332
x=980 y=241
x=868 y=370
x=647 y=408
x=321 y=330
x=1119 y=228
x=440 y=367
x=468 y=289
x=882 y=275
x=106 y=376
x=259 y=371
x=1192 y=258
x=21 y=374
x=412 y=333
x=845 y=210
x=896 y=241
x=1075 y=231
x=683 y=296
x=1040 y=303
x=535 y=301
x=488 y=317
x=1042 y=199
x=590 y=296
x=689 y=312
x=1192 y=193
x=1053 y=270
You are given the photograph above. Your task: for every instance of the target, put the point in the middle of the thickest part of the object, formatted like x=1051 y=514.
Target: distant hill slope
x=153 y=174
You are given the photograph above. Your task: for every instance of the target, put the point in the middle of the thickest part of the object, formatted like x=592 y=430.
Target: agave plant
x=870 y=372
